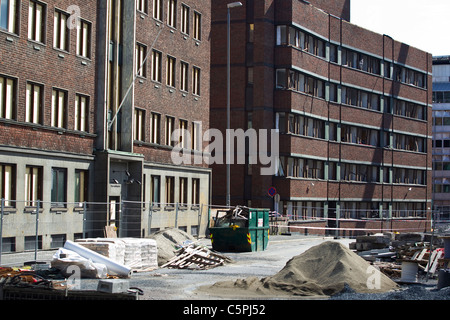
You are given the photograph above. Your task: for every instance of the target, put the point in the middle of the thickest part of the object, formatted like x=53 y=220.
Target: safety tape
x=354 y=229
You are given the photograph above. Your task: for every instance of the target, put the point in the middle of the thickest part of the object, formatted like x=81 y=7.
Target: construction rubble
x=390 y=252
x=111 y=261
x=328 y=269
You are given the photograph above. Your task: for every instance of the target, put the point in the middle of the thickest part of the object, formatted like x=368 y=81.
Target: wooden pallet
x=196 y=257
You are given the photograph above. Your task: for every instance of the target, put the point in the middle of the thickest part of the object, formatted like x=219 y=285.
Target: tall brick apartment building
x=89 y=92
x=352 y=108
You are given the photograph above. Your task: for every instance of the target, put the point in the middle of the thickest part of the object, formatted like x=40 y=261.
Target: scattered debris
x=193 y=256
x=168 y=241
x=238 y=216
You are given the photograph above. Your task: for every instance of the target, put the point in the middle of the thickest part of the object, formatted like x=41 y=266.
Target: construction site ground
x=188 y=284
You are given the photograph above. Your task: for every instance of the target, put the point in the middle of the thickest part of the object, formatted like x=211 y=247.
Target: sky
x=424 y=24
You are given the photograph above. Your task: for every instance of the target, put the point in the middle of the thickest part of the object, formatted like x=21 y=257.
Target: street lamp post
x=228 y=136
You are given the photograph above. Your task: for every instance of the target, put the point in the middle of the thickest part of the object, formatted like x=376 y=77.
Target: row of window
x=441 y=118
x=316 y=128
x=441 y=166
x=441 y=96
x=310 y=210
x=184 y=77
x=34 y=185
x=189 y=137
x=315 y=169
x=37 y=26
x=292 y=36
x=297 y=81
x=157 y=194
x=159 y=8
x=34 y=105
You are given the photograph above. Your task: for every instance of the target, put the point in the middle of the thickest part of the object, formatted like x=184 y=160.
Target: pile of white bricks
x=134 y=253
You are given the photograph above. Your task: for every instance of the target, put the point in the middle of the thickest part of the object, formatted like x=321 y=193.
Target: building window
x=155 y=190
x=33 y=185
x=358 y=172
x=7 y=184
x=306 y=126
x=8 y=99
x=141 y=62
x=293 y=80
x=197 y=26
x=170 y=71
x=81 y=113
x=195 y=191
x=409 y=176
x=196 y=81
x=183 y=200
x=142 y=6
x=183 y=139
x=251 y=32
x=57 y=241
x=158 y=9
x=34 y=102
x=59 y=108
x=196 y=136
x=360 y=98
x=139 y=123
x=361 y=61
x=170 y=125
x=441 y=96
x=84 y=38
x=59 y=187
x=184 y=76
x=155 y=135
x=170 y=191
x=9 y=15
x=409 y=143
x=81 y=186
x=409 y=109
x=293 y=37
x=61 y=32
x=36 y=21
x=409 y=76
x=184 y=19
x=172 y=13
x=360 y=135
x=156 y=65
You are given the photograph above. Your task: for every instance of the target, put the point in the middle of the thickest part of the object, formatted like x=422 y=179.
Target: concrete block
x=113 y=285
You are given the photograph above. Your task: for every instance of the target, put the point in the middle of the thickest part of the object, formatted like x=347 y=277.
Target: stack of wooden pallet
x=196 y=257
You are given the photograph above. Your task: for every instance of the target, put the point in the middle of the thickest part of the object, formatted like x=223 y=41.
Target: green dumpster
x=242 y=235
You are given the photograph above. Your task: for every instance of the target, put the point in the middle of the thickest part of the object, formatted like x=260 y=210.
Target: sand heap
x=323 y=270
x=167 y=241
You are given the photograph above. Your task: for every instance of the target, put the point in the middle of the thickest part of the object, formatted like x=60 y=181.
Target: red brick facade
x=358 y=81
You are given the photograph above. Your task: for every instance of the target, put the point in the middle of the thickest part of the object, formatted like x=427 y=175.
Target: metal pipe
x=228 y=157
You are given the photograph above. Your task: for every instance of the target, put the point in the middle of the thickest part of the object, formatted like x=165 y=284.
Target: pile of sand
x=167 y=241
x=323 y=270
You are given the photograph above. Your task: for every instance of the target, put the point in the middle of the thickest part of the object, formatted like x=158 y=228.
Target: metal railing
x=23 y=224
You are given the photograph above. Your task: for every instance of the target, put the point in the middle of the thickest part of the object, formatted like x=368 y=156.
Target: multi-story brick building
x=87 y=89
x=352 y=108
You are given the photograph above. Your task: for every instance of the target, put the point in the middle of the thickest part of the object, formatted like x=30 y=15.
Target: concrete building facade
x=441 y=133
x=352 y=108
x=85 y=91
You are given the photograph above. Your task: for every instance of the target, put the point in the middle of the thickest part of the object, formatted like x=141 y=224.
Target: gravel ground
x=406 y=292
x=175 y=284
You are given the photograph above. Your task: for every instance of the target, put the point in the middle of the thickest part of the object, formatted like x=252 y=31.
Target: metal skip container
x=240 y=230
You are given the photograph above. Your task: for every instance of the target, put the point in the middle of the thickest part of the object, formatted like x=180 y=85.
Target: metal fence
x=32 y=227
x=37 y=226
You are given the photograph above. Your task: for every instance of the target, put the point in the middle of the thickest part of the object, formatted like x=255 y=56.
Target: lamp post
x=228 y=137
